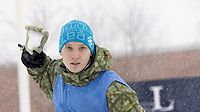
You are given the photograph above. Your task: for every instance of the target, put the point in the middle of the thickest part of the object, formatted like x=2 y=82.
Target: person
x=82 y=80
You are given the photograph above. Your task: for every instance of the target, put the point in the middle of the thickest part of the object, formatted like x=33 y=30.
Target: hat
x=76 y=31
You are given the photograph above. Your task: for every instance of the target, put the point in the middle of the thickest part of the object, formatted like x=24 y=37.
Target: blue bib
x=88 y=98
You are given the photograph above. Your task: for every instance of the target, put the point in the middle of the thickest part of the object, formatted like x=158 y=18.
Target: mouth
x=75 y=63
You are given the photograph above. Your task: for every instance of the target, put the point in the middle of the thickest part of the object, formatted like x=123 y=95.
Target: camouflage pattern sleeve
x=45 y=75
x=122 y=99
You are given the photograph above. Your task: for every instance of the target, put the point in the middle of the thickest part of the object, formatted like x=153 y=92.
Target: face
x=75 y=56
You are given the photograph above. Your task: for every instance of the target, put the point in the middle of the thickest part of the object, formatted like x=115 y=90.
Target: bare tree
x=8 y=36
x=95 y=15
x=134 y=24
x=50 y=14
x=6 y=20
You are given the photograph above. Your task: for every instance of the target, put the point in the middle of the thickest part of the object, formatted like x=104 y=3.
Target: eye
x=68 y=47
x=83 y=48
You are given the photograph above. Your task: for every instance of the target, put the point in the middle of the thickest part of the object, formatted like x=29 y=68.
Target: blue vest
x=88 y=98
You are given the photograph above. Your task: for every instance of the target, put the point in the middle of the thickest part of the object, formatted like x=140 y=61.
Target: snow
x=175 y=26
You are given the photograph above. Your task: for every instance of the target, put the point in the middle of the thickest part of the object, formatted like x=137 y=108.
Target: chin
x=75 y=71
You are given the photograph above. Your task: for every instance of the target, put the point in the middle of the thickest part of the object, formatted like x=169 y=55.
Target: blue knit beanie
x=76 y=31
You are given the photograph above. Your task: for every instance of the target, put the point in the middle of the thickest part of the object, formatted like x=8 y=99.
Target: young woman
x=82 y=81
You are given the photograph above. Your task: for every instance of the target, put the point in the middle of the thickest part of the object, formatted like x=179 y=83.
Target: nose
x=75 y=55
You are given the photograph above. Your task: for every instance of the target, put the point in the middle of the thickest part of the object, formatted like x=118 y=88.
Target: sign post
x=23 y=79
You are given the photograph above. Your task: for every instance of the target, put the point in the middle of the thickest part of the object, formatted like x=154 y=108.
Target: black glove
x=36 y=60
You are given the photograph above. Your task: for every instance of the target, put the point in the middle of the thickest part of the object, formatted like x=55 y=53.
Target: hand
x=36 y=60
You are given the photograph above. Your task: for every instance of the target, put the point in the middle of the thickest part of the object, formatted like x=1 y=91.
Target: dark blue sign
x=173 y=95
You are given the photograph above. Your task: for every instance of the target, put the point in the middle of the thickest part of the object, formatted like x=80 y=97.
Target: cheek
x=65 y=57
x=87 y=57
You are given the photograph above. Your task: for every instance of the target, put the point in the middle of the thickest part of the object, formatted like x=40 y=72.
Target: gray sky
x=178 y=18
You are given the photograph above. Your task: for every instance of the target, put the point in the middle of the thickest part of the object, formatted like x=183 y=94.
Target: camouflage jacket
x=119 y=97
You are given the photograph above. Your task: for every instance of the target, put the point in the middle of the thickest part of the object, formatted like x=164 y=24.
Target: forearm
x=44 y=76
